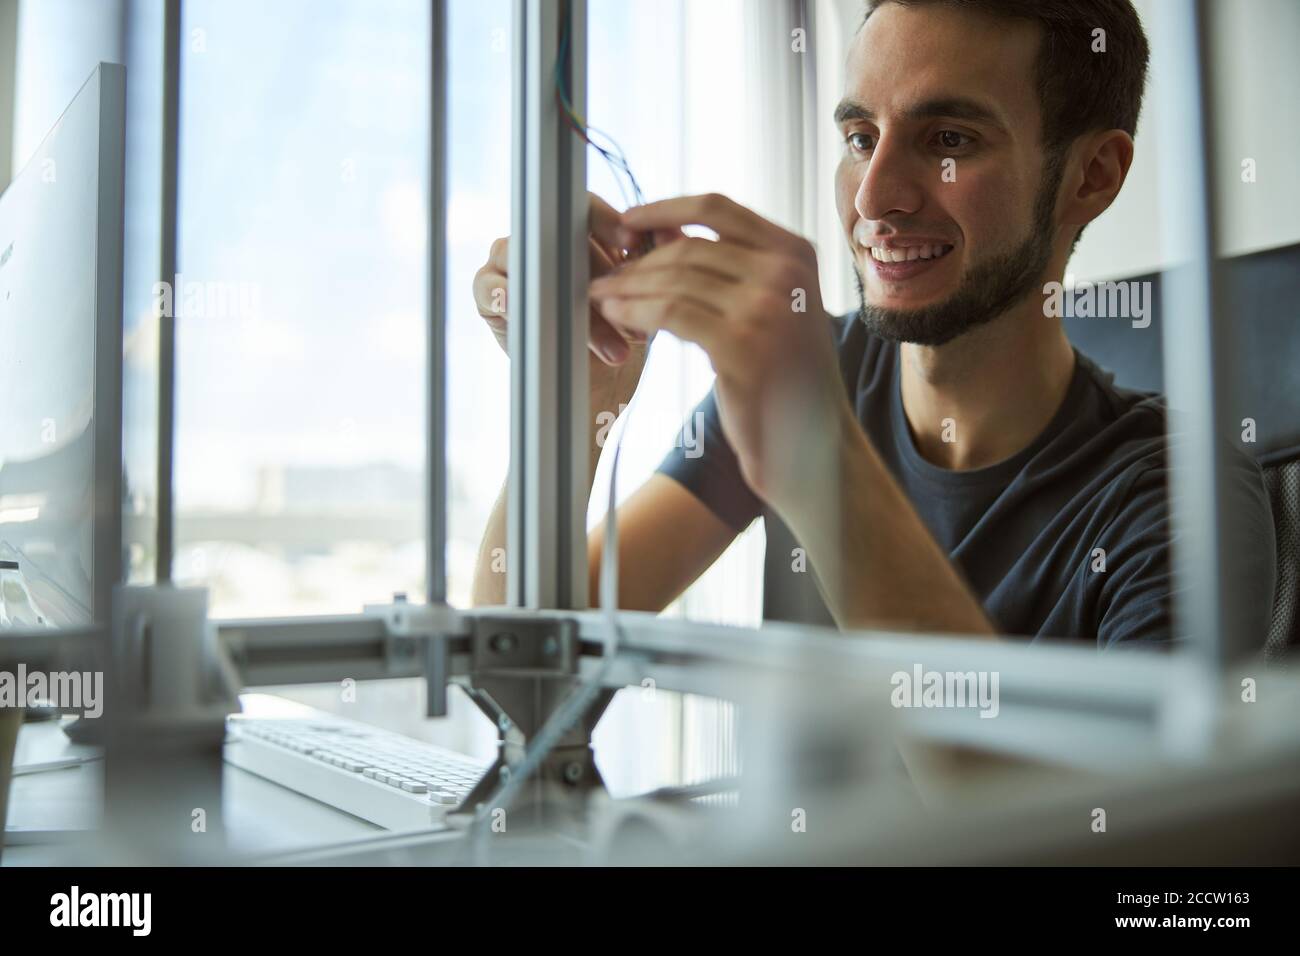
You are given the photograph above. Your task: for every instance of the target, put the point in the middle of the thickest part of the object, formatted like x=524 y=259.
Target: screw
x=550 y=646
x=504 y=723
x=573 y=772
x=504 y=643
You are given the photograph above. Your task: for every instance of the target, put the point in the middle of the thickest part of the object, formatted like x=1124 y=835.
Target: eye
x=859 y=142
x=951 y=139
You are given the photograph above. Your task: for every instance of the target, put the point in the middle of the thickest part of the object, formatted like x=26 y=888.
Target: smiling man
x=943 y=459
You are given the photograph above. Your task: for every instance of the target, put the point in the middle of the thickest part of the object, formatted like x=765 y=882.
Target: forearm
x=490 y=568
x=875 y=560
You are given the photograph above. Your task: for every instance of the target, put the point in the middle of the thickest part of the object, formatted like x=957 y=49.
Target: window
x=669 y=82
x=300 y=303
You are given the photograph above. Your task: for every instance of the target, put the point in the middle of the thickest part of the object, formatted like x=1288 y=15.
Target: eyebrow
x=948 y=107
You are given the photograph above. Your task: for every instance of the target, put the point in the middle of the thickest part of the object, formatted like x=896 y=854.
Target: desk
x=1237 y=807
x=261 y=817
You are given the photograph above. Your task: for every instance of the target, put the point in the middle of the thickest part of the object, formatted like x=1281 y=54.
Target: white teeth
x=909 y=253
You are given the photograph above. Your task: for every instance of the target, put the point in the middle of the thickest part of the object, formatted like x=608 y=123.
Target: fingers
x=499 y=255
x=490 y=293
x=603 y=223
x=490 y=281
x=724 y=259
x=490 y=284
x=674 y=290
x=609 y=344
x=728 y=219
x=687 y=318
x=663 y=237
x=603 y=339
x=606 y=343
x=701 y=285
x=602 y=260
x=606 y=225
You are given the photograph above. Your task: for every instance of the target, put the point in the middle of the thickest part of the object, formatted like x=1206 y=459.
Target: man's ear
x=1096 y=170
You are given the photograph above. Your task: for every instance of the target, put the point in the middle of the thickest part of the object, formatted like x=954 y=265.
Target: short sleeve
x=1135 y=605
x=703 y=462
x=1136 y=601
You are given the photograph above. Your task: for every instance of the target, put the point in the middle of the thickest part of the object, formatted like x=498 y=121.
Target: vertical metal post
x=805 y=17
x=435 y=532
x=109 y=564
x=549 y=431
x=171 y=98
x=1199 y=350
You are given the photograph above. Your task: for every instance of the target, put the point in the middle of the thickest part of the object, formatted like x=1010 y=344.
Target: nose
x=890 y=183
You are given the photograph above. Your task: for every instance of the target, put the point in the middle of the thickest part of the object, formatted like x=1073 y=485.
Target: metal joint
x=525 y=648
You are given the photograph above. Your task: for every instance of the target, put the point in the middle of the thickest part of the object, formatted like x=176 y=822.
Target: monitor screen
x=56 y=284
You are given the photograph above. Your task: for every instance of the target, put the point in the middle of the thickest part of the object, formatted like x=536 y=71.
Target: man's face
x=943 y=173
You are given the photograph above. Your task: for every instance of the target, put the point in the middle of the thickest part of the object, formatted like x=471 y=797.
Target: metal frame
x=167 y=267
x=107 y=559
x=1119 y=697
x=1125 y=705
x=1199 y=360
x=1113 y=698
x=435 y=536
x=546 y=542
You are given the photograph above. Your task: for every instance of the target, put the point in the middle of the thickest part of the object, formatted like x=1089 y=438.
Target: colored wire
x=612 y=153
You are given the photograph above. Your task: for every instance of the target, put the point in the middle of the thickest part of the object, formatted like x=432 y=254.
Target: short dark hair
x=1079 y=91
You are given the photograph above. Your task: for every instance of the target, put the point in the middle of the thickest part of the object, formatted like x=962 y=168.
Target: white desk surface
x=260 y=816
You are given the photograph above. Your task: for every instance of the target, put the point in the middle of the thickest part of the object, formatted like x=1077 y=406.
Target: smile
x=910 y=253
x=903 y=262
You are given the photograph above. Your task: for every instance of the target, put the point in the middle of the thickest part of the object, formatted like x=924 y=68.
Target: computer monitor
x=60 y=367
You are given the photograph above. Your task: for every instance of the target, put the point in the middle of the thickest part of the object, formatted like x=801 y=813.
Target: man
x=943 y=460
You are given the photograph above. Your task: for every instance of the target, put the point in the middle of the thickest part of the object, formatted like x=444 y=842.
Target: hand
x=752 y=300
x=490 y=284
x=616 y=360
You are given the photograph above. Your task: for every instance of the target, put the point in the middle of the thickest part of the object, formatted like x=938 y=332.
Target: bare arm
x=490 y=568
x=783 y=408
x=876 y=562
x=667 y=538
x=656 y=569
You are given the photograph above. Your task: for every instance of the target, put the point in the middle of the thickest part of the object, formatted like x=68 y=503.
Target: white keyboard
x=386 y=778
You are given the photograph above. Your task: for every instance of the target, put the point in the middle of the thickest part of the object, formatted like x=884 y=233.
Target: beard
x=988 y=289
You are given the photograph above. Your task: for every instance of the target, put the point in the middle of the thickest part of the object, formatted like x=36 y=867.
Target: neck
x=986 y=395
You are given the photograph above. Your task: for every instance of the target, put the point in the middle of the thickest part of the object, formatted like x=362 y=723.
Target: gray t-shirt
x=1025 y=532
